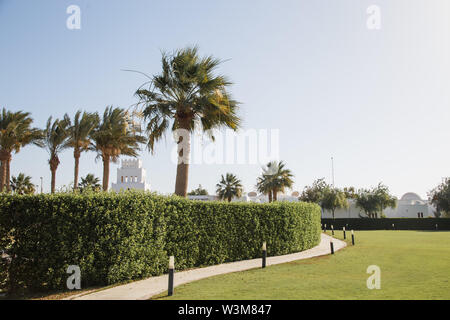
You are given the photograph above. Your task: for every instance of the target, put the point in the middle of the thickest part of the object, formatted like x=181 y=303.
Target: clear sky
x=378 y=101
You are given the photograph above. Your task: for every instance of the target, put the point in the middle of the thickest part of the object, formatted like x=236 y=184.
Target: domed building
x=410 y=205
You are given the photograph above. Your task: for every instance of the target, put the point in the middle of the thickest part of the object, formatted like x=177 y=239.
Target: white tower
x=131 y=176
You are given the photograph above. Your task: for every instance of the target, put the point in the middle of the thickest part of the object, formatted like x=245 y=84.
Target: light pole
x=41 y=185
x=332 y=170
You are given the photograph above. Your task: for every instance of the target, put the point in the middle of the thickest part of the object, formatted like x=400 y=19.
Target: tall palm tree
x=15 y=133
x=114 y=137
x=275 y=178
x=229 y=187
x=55 y=140
x=187 y=95
x=22 y=184
x=79 y=137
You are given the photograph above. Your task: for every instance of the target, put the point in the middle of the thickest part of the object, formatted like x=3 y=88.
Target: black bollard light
x=343 y=230
x=171 y=274
x=264 y=254
x=332 y=247
x=353 y=238
x=332 y=230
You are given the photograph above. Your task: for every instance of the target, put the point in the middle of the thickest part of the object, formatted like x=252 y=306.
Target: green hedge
x=119 y=237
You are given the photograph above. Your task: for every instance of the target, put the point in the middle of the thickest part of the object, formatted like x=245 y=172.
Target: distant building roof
x=410 y=196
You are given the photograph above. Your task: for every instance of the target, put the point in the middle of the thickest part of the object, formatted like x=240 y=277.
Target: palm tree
x=114 y=137
x=22 y=184
x=55 y=140
x=15 y=133
x=228 y=187
x=190 y=95
x=275 y=178
x=263 y=185
x=79 y=137
x=90 y=182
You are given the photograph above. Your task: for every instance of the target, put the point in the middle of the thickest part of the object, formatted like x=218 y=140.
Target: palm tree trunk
x=184 y=149
x=270 y=196
x=53 y=185
x=2 y=175
x=105 y=172
x=333 y=213
x=76 y=155
x=274 y=194
x=8 y=174
x=54 y=162
x=229 y=198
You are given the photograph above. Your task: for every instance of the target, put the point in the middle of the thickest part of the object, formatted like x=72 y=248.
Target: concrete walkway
x=145 y=289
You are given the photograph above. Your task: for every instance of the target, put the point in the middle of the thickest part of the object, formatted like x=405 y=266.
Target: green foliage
x=198 y=192
x=333 y=199
x=374 y=201
x=274 y=178
x=90 y=182
x=440 y=198
x=188 y=93
x=118 y=237
x=229 y=187
x=22 y=184
x=314 y=193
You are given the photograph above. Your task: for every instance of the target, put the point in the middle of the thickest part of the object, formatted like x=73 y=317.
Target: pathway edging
x=147 y=288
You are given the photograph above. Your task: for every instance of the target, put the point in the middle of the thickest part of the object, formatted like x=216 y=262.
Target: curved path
x=145 y=289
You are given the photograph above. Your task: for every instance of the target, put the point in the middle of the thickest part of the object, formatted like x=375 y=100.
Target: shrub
x=119 y=237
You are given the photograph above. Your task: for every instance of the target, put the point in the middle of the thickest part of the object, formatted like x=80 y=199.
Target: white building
x=410 y=205
x=131 y=175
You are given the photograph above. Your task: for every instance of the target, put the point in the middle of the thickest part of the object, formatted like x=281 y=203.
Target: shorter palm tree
x=55 y=138
x=15 y=133
x=90 y=182
x=79 y=137
x=113 y=137
x=274 y=179
x=22 y=184
x=229 y=187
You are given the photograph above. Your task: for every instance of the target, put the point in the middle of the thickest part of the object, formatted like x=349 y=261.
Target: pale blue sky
x=378 y=101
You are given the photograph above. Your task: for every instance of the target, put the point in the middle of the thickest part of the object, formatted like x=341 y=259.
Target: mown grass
x=414 y=265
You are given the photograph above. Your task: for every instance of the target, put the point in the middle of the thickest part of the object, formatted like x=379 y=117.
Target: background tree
x=314 y=193
x=55 y=138
x=114 y=137
x=263 y=185
x=199 y=191
x=229 y=187
x=90 y=182
x=15 y=133
x=350 y=192
x=22 y=184
x=384 y=199
x=275 y=178
x=375 y=200
x=79 y=137
x=191 y=96
x=440 y=198
x=332 y=199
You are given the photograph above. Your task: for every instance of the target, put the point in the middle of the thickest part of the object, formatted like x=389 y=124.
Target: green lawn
x=414 y=265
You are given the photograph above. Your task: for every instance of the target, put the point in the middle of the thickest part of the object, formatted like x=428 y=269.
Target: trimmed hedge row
x=119 y=237
x=386 y=223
